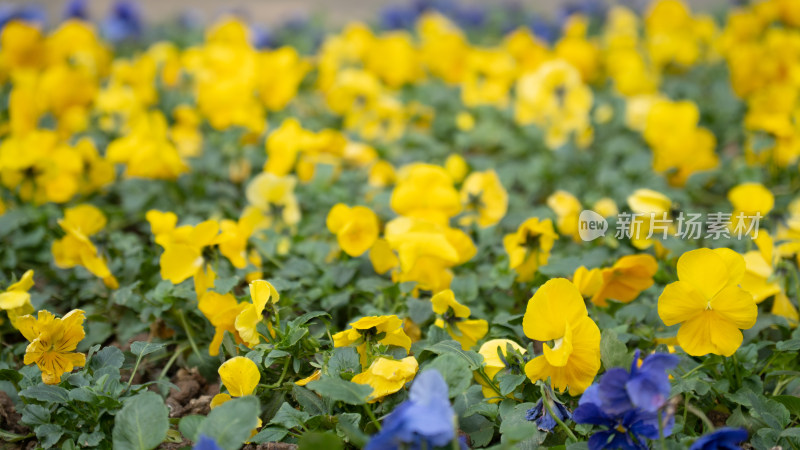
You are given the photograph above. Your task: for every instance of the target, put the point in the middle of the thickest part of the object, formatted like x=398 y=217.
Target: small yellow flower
x=454 y=317
x=456 y=166
x=183 y=249
x=222 y=311
x=240 y=376
x=356 y=228
x=16 y=295
x=626 y=279
x=234 y=236
x=75 y=248
x=708 y=303
x=425 y=190
x=52 y=342
x=529 y=247
x=387 y=376
x=484 y=198
x=567 y=207
x=371 y=327
x=556 y=313
x=749 y=200
x=262 y=292
x=606 y=207
x=465 y=121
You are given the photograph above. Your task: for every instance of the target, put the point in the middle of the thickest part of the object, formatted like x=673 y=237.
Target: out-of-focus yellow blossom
x=484 y=198
x=387 y=376
x=626 y=279
x=15 y=300
x=444 y=49
x=146 y=150
x=183 y=246
x=749 y=200
x=280 y=73
x=759 y=278
x=606 y=207
x=493 y=364
x=454 y=317
x=567 y=208
x=557 y=315
x=22 y=46
x=674 y=38
x=381 y=174
x=342 y=51
x=577 y=49
x=555 y=98
x=382 y=257
x=528 y=50
x=456 y=167
x=365 y=331
x=465 y=121
x=588 y=281
x=393 y=58
x=425 y=190
x=356 y=228
x=425 y=251
x=623 y=59
x=274 y=196
x=488 y=77
x=680 y=147
x=185 y=133
x=75 y=249
x=261 y=292
x=52 y=342
x=529 y=247
x=708 y=303
x=234 y=236
x=353 y=90
x=649 y=207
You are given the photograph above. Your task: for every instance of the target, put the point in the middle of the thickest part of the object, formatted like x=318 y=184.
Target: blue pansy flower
x=540 y=414
x=32 y=13
x=645 y=387
x=722 y=439
x=425 y=420
x=76 y=9
x=206 y=443
x=123 y=22
x=398 y=17
x=627 y=430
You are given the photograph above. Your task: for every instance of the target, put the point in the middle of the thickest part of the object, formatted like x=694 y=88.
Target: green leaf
x=474 y=360
x=507 y=382
x=340 y=390
x=419 y=310
x=791 y=403
x=316 y=440
x=344 y=360
x=48 y=434
x=141 y=349
x=455 y=371
x=142 y=423
x=35 y=415
x=10 y=375
x=791 y=432
x=613 y=352
x=107 y=357
x=46 y=393
x=308 y=400
x=289 y=417
x=306 y=317
x=225 y=285
x=486 y=409
x=792 y=345
x=269 y=434
x=231 y=423
x=188 y=426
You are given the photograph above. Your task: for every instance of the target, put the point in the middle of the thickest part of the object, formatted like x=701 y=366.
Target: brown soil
x=193 y=395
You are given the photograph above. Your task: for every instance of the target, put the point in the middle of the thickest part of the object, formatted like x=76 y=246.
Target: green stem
x=661 y=430
x=699 y=366
x=737 y=374
x=135 y=368
x=171 y=361
x=546 y=403
x=490 y=383
x=188 y=330
x=769 y=361
x=372 y=417
x=283 y=374
x=700 y=414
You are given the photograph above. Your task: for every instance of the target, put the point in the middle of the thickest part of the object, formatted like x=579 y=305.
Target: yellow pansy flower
x=221 y=310
x=52 y=342
x=708 y=303
x=649 y=206
x=240 y=376
x=425 y=190
x=556 y=313
x=274 y=196
x=356 y=228
x=626 y=279
x=493 y=364
x=234 y=236
x=367 y=329
x=484 y=198
x=261 y=292
x=183 y=246
x=749 y=200
x=387 y=376
x=588 y=281
x=454 y=317
x=16 y=300
x=529 y=247
x=567 y=208
x=75 y=249
x=456 y=167
x=313 y=377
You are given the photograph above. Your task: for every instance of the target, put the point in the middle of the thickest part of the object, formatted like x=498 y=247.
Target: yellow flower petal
x=240 y=376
